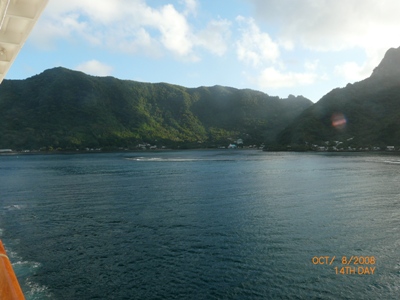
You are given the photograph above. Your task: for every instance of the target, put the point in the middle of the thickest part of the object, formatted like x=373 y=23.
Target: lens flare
x=338 y=120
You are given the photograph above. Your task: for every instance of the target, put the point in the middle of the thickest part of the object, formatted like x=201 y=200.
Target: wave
x=383 y=161
x=396 y=162
x=37 y=292
x=162 y=159
x=25 y=271
x=15 y=207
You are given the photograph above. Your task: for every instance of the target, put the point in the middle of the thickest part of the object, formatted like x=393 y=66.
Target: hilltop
x=66 y=109
x=364 y=115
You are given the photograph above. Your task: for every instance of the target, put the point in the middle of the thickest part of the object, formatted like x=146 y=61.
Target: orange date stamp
x=348 y=265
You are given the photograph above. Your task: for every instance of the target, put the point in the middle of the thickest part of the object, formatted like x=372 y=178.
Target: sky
x=280 y=47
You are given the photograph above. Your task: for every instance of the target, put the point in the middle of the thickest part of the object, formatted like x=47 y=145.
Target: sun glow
x=338 y=120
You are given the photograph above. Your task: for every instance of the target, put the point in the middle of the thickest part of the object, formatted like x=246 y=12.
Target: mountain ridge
x=370 y=111
x=66 y=109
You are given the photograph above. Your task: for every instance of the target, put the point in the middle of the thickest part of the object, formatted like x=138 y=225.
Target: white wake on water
x=161 y=159
x=25 y=271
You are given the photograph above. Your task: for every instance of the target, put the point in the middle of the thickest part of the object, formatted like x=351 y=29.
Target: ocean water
x=226 y=224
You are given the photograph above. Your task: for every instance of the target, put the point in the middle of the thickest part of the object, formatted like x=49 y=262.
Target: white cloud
x=102 y=11
x=332 y=26
x=257 y=49
x=134 y=40
x=94 y=67
x=311 y=65
x=130 y=26
x=271 y=78
x=352 y=71
x=175 y=31
x=286 y=44
x=123 y=22
x=254 y=46
x=191 y=7
x=215 y=37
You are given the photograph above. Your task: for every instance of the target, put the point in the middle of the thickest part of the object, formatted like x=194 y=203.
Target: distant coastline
x=99 y=151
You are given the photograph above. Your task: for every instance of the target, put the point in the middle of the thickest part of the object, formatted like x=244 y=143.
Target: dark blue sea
x=223 y=224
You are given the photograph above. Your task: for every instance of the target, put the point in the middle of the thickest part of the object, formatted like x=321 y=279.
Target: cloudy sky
x=281 y=47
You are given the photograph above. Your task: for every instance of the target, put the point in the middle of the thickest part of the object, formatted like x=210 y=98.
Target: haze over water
x=202 y=224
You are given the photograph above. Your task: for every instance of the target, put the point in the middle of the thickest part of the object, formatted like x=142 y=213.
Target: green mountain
x=66 y=109
x=363 y=114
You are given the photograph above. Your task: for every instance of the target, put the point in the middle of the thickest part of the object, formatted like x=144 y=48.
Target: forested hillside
x=363 y=115
x=66 y=109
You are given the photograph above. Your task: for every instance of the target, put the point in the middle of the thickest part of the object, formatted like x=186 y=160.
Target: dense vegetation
x=65 y=109
x=370 y=108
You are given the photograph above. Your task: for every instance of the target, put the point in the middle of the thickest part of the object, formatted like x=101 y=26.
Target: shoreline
x=55 y=152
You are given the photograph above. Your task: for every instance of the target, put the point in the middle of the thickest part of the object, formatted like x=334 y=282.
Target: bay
x=212 y=224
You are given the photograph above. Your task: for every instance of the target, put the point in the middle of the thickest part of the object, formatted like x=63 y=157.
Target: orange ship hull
x=9 y=286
